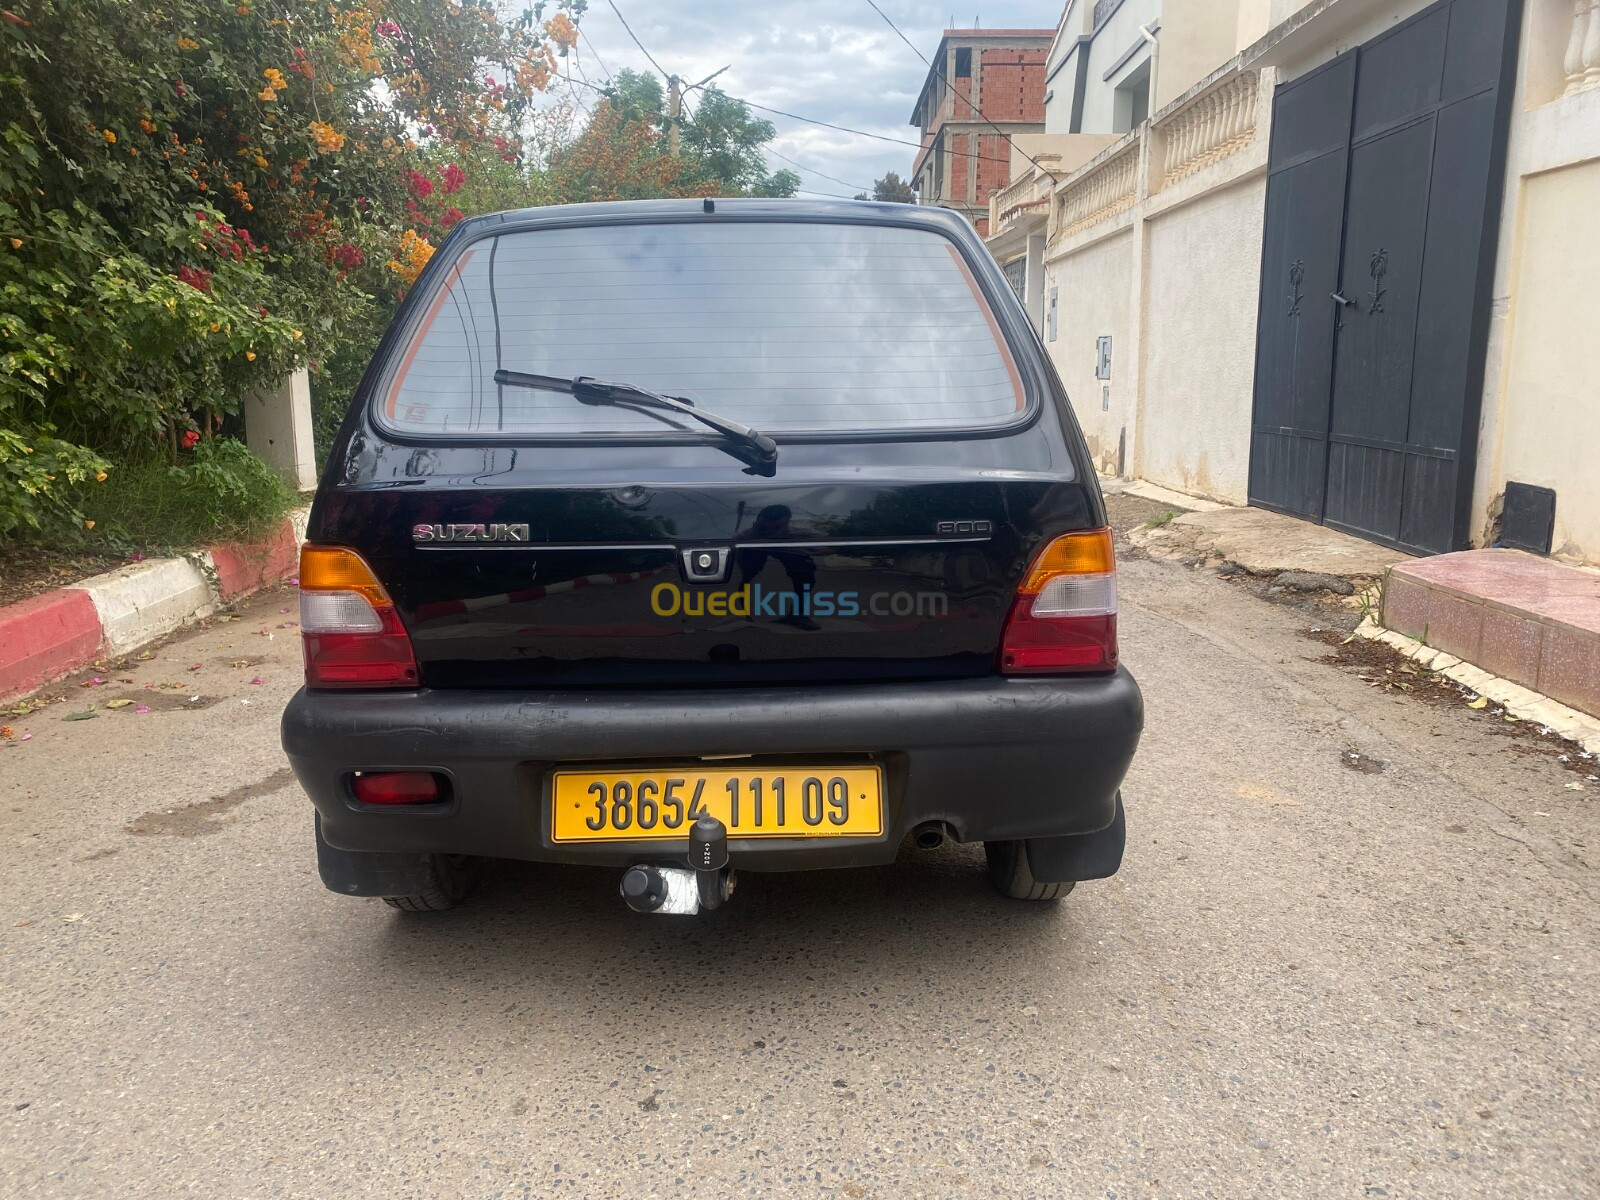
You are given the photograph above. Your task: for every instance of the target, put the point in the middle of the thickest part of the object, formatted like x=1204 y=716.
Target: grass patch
x=1166 y=517
x=219 y=493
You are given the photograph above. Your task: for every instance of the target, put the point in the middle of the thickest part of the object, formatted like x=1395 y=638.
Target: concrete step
x=1523 y=618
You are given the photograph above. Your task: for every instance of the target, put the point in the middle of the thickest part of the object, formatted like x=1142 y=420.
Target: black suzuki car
x=686 y=536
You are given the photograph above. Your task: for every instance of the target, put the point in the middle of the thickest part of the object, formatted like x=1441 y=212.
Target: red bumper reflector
x=397 y=787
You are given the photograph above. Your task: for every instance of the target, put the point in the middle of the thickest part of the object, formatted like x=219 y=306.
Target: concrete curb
x=1520 y=702
x=48 y=636
x=1146 y=490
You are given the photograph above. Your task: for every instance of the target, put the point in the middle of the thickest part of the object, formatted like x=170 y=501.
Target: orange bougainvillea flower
x=111 y=138
x=413 y=254
x=328 y=139
x=561 y=30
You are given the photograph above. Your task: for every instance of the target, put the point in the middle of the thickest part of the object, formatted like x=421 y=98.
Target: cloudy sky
x=832 y=60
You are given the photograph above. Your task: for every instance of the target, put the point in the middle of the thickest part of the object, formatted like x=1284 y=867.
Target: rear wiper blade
x=601 y=391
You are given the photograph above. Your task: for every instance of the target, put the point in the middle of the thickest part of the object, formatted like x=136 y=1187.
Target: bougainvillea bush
x=198 y=196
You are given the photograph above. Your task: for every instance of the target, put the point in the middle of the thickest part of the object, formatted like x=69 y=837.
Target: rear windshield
x=782 y=326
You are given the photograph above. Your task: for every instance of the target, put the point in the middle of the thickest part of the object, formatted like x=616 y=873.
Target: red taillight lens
x=352 y=635
x=1064 y=619
x=397 y=787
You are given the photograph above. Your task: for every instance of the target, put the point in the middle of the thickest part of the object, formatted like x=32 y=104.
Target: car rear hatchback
x=754 y=531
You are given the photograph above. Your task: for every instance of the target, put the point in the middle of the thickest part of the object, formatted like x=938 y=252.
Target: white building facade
x=1204 y=283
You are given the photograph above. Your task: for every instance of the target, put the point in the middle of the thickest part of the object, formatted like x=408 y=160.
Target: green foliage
x=221 y=492
x=36 y=472
x=892 y=189
x=150 y=156
x=726 y=142
x=719 y=140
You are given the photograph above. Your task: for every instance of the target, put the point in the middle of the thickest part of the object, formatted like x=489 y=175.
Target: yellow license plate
x=607 y=806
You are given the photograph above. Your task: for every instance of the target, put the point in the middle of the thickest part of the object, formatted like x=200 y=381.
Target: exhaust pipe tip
x=930 y=836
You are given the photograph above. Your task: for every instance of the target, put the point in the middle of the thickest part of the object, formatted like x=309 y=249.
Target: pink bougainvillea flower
x=421 y=186
x=143 y=708
x=189 y=438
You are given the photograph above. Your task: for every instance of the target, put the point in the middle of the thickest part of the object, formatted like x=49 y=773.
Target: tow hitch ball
x=705 y=883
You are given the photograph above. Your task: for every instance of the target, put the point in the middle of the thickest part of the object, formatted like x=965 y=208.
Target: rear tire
x=1012 y=875
x=452 y=878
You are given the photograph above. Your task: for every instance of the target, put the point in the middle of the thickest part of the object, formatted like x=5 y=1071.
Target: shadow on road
x=556 y=943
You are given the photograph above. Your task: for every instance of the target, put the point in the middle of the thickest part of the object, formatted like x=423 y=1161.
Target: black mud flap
x=359 y=873
x=1086 y=856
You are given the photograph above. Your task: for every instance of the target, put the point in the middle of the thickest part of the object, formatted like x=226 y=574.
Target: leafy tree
x=638 y=96
x=197 y=196
x=726 y=140
x=615 y=158
x=892 y=189
x=718 y=139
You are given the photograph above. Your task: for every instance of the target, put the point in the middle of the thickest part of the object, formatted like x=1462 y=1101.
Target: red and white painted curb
x=48 y=636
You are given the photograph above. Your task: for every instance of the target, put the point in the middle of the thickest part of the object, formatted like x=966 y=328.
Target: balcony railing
x=1581 y=63
x=1105 y=189
x=1214 y=125
x=1027 y=192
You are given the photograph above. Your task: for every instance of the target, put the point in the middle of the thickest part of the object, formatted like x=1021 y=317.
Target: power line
x=839 y=128
x=635 y=37
x=595 y=50
x=813 y=170
x=831 y=195
x=976 y=111
x=882 y=137
x=721 y=125
x=900 y=35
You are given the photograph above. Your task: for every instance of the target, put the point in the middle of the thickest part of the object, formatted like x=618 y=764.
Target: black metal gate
x=1383 y=204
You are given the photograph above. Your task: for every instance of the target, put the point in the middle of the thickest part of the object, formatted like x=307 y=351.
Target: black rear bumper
x=994 y=758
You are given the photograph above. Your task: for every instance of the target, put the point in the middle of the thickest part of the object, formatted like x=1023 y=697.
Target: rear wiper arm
x=600 y=391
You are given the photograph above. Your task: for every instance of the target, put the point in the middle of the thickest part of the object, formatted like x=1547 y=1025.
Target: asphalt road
x=1307 y=980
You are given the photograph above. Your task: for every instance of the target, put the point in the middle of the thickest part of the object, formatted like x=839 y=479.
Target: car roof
x=860 y=212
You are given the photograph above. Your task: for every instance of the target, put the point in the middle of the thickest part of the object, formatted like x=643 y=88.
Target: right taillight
x=1064 y=619
x=352 y=635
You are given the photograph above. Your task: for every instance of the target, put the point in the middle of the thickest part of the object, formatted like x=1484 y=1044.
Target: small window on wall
x=1050 y=319
x=1131 y=102
x=964 y=63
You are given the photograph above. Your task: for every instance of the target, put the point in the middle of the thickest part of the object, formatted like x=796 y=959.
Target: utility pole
x=675 y=91
x=674 y=112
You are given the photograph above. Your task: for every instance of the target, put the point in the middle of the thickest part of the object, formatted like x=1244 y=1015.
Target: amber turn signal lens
x=1087 y=553
x=335 y=569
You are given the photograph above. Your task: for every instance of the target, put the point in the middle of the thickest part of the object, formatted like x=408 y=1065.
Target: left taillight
x=352 y=635
x=1064 y=617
